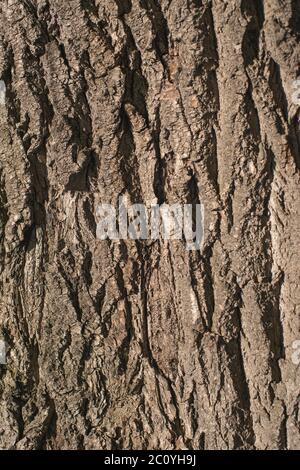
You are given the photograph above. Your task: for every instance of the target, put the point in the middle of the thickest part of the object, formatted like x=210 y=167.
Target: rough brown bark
x=135 y=344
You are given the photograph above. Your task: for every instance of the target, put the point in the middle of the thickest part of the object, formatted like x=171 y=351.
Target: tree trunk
x=140 y=344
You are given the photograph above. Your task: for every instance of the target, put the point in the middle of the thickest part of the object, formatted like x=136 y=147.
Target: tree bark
x=140 y=344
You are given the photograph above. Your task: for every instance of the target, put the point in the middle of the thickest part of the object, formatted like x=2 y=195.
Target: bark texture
x=143 y=344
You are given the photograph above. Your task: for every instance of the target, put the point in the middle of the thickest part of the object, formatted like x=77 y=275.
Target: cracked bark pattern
x=135 y=344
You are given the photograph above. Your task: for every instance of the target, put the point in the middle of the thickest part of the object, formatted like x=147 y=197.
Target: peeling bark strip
x=142 y=344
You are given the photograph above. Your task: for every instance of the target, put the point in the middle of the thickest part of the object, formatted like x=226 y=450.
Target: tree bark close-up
x=142 y=343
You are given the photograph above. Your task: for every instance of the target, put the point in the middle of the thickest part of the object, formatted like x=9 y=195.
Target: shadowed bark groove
x=143 y=344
